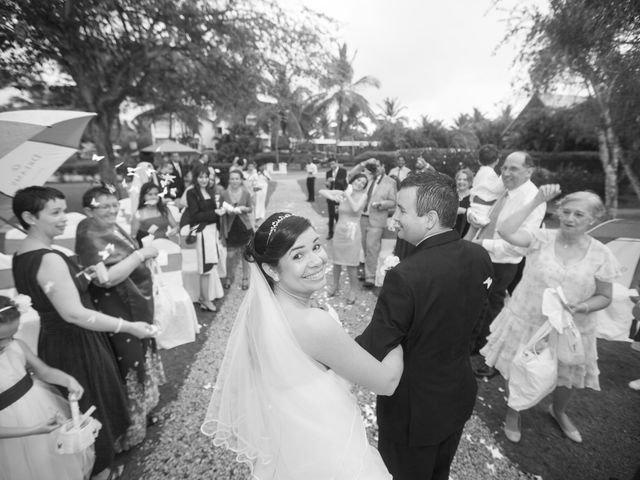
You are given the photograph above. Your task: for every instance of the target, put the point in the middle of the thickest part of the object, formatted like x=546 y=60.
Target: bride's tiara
x=275 y=223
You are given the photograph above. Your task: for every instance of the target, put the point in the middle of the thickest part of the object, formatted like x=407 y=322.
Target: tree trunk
x=610 y=174
x=101 y=130
x=631 y=175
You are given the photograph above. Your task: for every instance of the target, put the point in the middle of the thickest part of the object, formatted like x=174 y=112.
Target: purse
x=570 y=348
x=534 y=370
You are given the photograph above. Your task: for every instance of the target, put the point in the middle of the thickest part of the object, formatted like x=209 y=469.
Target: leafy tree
x=162 y=52
x=593 y=43
x=342 y=95
x=241 y=141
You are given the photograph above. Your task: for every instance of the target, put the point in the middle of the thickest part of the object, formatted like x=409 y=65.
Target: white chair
x=180 y=326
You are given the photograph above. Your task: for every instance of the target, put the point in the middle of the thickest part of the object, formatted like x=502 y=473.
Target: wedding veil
x=278 y=410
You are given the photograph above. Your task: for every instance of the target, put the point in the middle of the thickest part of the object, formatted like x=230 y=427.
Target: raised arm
x=355 y=205
x=333 y=195
x=509 y=227
x=324 y=340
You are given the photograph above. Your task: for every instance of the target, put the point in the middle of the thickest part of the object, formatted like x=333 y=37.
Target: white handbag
x=534 y=370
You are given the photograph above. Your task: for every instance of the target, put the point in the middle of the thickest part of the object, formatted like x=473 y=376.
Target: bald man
x=516 y=176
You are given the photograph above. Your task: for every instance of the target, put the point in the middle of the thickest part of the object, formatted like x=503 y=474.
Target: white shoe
x=635 y=384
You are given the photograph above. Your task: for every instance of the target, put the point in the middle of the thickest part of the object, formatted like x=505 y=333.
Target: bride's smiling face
x=302 y=269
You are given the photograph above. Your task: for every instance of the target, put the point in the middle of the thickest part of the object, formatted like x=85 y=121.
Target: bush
x=589 y=161
x=570 y=178
x=76 y=166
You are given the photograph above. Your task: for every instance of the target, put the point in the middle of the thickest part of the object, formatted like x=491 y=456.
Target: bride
x=282 y=400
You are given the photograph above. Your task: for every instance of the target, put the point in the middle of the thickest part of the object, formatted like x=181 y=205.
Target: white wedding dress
x=284 y=415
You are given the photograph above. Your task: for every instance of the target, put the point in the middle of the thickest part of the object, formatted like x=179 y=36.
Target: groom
x=428 y=304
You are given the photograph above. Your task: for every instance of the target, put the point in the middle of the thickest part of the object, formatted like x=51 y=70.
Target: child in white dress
x=31 y=412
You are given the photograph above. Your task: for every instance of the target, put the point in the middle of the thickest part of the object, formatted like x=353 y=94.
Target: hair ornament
x=274 y=225
x=20 y=302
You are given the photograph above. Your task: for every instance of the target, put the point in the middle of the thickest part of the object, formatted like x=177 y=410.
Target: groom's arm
x=391 y=319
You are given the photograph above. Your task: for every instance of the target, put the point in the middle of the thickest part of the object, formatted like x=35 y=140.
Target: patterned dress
x=522 y=315
x=132 y=299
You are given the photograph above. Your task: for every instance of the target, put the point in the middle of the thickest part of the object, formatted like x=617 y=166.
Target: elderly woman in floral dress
x=568 y=258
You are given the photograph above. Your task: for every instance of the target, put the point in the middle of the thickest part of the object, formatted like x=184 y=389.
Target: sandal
x=116 y=472
x=208 y=306
x=245 y=284
x=333 y=292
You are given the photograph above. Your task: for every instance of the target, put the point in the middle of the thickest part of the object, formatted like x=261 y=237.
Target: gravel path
x=180 y=451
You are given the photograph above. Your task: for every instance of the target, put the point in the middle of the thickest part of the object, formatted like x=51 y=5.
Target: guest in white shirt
x=312 y=171
x=400 y=171
x=516 y=176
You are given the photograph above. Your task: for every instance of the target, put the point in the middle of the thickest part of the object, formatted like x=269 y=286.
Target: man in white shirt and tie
x=516 y=176
x=400 y=171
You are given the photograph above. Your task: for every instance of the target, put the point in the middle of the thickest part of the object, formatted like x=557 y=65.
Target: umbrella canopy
x=34 y=143
x=169 y=146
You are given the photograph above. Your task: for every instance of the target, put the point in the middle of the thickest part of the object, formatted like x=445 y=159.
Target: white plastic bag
x=570 y=348
x=534 y=370
x=174 y=314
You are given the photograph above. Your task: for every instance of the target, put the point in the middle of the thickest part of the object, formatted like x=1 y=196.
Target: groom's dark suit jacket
x=429 y=304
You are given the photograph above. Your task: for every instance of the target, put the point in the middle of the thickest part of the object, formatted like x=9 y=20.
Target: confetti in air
x=167 y=177
x=48 y=287
x=111 y=188
x=106 y=253
x=119 y=164
x=94 y=203
x=97 y=158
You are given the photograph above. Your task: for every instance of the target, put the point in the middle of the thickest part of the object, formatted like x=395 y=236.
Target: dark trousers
x=503 y=276
x=333 y=215
x=311 y=189
x=431 y=462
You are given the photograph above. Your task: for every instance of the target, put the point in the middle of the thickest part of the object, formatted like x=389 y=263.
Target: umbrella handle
x=18 y=227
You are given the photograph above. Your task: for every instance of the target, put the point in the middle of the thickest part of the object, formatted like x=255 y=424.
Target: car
x=622 y=236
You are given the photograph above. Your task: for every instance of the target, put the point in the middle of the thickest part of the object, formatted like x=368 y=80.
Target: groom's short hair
x=434 y=191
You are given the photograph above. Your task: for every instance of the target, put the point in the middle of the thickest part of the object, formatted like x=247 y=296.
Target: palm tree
x=342 y=96
x=391 y=109
x=282 y=109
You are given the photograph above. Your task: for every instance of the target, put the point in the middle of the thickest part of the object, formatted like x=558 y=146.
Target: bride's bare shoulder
x=315 y=324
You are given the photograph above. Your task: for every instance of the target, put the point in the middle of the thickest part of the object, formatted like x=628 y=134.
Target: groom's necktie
x=489 y=230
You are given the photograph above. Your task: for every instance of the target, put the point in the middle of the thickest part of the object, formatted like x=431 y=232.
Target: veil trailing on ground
x=278 y=410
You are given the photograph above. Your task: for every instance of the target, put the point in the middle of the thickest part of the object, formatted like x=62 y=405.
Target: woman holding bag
x=568 y=258
x=203 y=201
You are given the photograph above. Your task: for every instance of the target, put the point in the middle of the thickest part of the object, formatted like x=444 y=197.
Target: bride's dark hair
x=274 y=238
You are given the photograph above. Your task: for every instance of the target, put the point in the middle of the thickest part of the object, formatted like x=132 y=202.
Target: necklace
x=564 y=243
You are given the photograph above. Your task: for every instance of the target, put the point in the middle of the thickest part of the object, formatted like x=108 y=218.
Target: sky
x=438 y=58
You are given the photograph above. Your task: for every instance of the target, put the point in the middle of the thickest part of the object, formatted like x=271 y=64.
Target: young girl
x=31 y=413
x=153 y=216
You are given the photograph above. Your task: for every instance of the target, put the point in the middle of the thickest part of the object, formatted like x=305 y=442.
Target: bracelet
x=140 y=255
x=117 y=330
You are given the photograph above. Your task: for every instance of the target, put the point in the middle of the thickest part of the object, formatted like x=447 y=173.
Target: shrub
x=570 y=178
